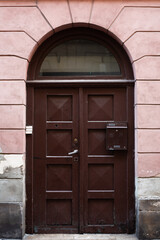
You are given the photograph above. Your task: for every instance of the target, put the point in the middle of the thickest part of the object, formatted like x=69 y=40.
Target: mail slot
x=116 y=136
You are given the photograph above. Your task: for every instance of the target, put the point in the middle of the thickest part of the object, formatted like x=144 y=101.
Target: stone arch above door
x=90 y=34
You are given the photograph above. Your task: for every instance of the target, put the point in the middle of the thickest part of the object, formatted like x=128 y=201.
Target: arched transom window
x=80 y=57
x=80 y=53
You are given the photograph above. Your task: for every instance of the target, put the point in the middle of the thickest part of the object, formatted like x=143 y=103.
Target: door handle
x=74 y=152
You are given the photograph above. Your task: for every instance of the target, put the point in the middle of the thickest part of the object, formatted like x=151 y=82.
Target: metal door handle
x=74 y=152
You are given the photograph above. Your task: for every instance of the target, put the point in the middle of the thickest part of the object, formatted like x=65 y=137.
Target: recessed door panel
x=100 y=212
x=101 y=177
x=59 y=212
x=59 y=142
x=59 y=108
x=100 y=107
x=59 y=177
x=96 y=141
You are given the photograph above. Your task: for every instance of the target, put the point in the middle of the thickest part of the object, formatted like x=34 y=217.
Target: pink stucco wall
x=135 y=24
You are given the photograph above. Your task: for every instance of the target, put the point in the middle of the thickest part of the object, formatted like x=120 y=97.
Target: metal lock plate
x=75 y=159
x=116 y=136
x=75 y=140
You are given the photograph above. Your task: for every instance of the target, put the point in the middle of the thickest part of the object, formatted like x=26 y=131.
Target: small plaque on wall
x=29 y=129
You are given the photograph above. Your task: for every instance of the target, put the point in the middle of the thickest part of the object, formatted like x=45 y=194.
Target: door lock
x=75 y=159
x=75 y=141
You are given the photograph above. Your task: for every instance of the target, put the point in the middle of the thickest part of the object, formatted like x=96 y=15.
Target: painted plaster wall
x=24 y=25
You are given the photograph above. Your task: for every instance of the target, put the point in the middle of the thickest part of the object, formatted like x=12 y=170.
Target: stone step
x=80 y=237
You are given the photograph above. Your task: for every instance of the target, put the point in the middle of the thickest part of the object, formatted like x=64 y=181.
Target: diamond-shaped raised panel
x=59 y=177
x=59 y=212
x=100 y=107
x=59 y=142
x=101 y=177
x=97 y=142
x=59 y=108
x=100 y=211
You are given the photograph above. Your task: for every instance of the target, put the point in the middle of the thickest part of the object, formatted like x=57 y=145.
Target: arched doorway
x=80 y=157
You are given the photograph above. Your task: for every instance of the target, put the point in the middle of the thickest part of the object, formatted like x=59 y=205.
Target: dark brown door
x=55 y=172
x=79 y=186
x=105 y=172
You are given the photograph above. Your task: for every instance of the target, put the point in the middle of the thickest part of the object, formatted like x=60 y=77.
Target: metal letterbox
x=116 y=136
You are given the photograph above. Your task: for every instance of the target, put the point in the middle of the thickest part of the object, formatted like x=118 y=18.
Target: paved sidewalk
x=80 y=237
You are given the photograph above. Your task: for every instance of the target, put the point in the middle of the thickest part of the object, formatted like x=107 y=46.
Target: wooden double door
x=79 y=185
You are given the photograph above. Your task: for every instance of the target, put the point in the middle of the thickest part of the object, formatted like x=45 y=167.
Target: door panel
x=56 y=183
x=86 y=191
x=105 y=171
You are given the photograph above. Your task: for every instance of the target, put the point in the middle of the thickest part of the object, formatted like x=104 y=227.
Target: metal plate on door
x=116 y=136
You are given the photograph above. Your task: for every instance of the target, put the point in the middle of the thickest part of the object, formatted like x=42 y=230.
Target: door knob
x=74 y=152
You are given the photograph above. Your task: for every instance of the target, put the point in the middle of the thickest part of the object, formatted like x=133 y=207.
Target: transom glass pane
x=79 y=58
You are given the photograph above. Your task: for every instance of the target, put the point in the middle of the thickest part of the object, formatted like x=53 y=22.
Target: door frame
x=36 y=81
x=31 y=86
